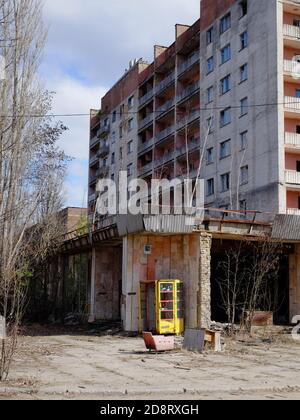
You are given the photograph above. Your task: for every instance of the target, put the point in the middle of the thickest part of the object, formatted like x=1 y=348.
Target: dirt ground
x=59 y=364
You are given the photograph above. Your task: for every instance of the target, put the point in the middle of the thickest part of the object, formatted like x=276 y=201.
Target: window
x=121 y=131
x=225 y=149
x=130 y=124
x=113 y=137
x=210 y=36
x=244 y=8
x=130 y=170
x=210 y=65
x=122 y=109
x=131 y=102
x=113 y=158
x=225 y=182
x=225 y=54
x=210 y=156
x=112 y=177
x=104 y=163
x=225 y=85
x=225 y=117
x=210 y=124
x=244 y=40
x=297 y=93
x=298 y=129
x=225 y=23
x=296 y=23
x=210 y=95
x=244 y=140
x=210 y=187
x=298 y=166
x=121 y=153
x=243 y=206
x=244 y=175
x=244 y=107
x=244 y=73
x=114 y=116
x=130 y=147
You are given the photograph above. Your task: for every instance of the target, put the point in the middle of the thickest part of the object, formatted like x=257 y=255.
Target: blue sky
x=90 y=43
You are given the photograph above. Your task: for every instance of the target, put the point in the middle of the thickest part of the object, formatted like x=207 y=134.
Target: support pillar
x=294 y=267
x=92 y=317
x=204 y=290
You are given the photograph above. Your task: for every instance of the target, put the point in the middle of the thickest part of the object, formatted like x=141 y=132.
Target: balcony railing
x=188 y=119
x=292 y=177
x=165 y=107
x=293 y=212
x=92 y=198
x=143 y=123
x=146 y=168
x=104 y=130
x=146 y=98
x=165 y=83
x=292 y=102
x=192 y=145
x=165 y=133
x=146 y=145
x=291 y=31
x=104 y=150
x=188 y=91
x=94 y=160
x=188 y=63
x=94 y=141
x=165 y=158
x=292 y=139
x=291 y=66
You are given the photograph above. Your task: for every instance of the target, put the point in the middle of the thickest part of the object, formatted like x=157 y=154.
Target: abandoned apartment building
x=224 y=97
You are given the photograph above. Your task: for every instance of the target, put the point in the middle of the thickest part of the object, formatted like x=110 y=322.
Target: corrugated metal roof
x=168 y=224
x=286 y=227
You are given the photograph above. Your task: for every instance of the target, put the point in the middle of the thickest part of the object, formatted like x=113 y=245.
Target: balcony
x=146 y=98
x=93 y=180
x=166 y=107
x=103 y=171
x=165 y=133
x=167 y=157
x=145 y=169
x=291 y=32
x=192 y=145
x=292 y=140
x=146 y=121
x=292 y=106
x=104 y=150
x=193 y=116
x=94 y=160
x=190 y=90
x=103 y=131
x=165 y=83
x=146 y=145
x=189 y=63
x=94 y=142
x=92 y=198
x=293 y=212
x=292 y=177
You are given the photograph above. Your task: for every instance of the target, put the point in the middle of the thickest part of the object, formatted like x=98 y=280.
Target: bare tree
x=31 y=166
x=246 y=280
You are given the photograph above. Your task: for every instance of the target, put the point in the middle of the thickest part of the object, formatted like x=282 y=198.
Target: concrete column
x=92 y=291
x=204 y=291
x=294 y=267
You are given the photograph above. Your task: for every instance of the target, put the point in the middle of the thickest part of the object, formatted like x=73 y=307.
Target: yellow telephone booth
x=162 y=307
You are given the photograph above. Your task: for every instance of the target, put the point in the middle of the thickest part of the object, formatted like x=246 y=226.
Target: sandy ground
x=61 y=365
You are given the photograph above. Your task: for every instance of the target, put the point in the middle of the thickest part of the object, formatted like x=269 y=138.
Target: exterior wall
x=105 y=285
x=72 y=217
x=295 y=283
x=261 y=155
x=182 y=257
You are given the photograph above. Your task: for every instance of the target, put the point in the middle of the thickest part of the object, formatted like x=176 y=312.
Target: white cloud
x=90 y=44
